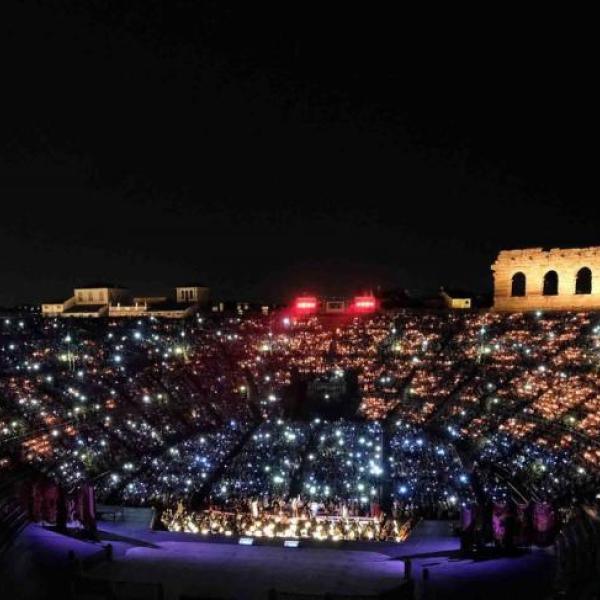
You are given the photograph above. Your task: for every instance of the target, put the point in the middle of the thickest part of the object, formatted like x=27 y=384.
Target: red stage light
x=306 y=304
x=365 y=303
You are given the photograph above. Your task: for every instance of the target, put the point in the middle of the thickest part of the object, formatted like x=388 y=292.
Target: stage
x=189 y=564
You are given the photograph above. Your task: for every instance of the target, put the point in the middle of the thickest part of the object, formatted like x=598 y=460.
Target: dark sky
x=266 y=149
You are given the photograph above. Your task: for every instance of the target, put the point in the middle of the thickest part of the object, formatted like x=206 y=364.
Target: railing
x=12 y=520
x=577 y=550
x=13 y=517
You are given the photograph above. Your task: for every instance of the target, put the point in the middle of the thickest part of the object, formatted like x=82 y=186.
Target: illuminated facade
x=101 y=301
x=192 y=293
x=456 y=300
x=538 y=279
x=90 y=301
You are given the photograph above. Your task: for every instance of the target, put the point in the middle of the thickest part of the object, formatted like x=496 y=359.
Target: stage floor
x=186 y=564
x=227 y=570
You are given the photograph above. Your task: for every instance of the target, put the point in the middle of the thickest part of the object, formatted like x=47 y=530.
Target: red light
x=306 y=304
x=365 y=303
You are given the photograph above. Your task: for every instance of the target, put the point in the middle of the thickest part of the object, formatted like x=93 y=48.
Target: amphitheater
x=555 y=279
x=168 y=459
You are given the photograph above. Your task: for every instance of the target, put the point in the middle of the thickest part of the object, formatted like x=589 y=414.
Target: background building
x=88 y=301
x=192 y=293
x=456 y=299
x=538 y=279
x=106 y=300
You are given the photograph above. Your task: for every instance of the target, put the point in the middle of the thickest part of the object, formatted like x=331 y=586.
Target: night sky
x=268 y=149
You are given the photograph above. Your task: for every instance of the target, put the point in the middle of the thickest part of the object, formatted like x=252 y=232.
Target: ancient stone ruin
x=555 y=279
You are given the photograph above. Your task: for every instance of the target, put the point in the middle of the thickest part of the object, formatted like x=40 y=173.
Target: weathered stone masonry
x=556 y=279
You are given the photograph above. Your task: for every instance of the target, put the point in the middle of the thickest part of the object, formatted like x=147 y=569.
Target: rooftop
x=99 y=285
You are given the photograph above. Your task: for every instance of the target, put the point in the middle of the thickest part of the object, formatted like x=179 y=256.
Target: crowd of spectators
x=451 y=406
x=428 y=476
x=266 y=465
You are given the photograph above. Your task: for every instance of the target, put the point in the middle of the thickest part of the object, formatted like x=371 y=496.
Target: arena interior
x=396 y=453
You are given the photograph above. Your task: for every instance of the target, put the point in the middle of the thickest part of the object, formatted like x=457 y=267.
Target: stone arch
x=583 y=281
x=571 y=287
x=550 y=287
x=518 y=286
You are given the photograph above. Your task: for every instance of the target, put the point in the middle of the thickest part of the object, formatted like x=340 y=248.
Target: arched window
x=519 y=284
x=583 y=281
x=551 y=283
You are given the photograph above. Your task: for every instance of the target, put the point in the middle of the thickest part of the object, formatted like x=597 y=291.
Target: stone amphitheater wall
x=534 y=264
